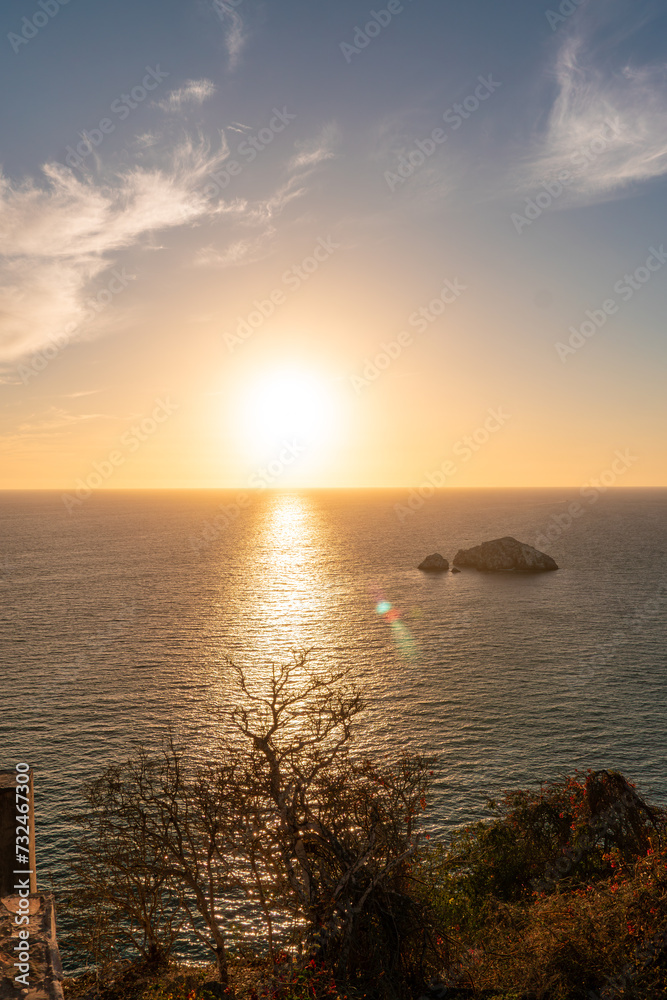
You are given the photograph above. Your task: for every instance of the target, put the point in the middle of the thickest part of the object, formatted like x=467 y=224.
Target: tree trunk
x=221 y=959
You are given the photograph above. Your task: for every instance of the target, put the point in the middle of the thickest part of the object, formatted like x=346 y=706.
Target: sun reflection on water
x=287 y=521
x=289 y=595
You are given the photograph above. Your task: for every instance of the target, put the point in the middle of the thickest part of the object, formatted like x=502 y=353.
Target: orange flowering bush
x=563 y=894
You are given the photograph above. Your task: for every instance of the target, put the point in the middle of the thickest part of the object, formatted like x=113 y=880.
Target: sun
x=287 y=406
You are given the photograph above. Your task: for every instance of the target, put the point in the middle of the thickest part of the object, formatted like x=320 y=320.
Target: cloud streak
x=192 y=92
x=263 y=214
x=315 y=151
x=235 y=33
x=237 y=253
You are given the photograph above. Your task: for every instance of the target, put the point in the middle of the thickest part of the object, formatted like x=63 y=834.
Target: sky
x=298 y=244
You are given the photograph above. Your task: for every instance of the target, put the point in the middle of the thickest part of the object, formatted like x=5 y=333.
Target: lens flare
x=392 y=616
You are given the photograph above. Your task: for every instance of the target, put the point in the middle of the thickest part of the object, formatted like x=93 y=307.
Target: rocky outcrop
x=504 y=555
x=434 y=564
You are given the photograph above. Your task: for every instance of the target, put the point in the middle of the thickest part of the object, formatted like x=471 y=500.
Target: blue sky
x=355 y=128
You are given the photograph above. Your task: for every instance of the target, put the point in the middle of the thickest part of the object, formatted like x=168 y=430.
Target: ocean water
x=116 y=621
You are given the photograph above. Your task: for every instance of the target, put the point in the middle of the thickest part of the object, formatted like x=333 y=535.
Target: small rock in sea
x=504 y=555
x=434 y=564
x=455 y=569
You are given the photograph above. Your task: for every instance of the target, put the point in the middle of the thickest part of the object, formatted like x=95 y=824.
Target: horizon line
x=296 y=489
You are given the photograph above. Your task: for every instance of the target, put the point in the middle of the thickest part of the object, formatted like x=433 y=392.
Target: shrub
x=562 y=893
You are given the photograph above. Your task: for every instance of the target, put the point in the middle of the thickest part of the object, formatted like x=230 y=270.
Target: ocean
x=117 y=618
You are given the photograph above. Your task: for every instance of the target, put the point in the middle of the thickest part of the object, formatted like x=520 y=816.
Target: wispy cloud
x=57 y=236
x=262 y=215
x=78 y=395
x=312 y=152
x=54 y=419
x=237 y=253
x=61 y=234
x=625 y=103
x=192 y=92
x=239 y=127
x=235 y=31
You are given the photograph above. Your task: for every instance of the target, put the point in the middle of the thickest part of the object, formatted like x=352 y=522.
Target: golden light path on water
x=289 y=594
x=295 y=599
x=291 y=590
x=461 y=666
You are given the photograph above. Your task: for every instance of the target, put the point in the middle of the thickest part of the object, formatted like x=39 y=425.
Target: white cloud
x=260 y=215
x=78 y=395
x=607 y=126
x=61 y=235
x=52 y=419
x=192 y=92
x=57 y=237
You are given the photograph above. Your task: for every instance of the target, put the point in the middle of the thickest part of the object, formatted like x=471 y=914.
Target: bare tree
x=282 y=824
x=160 y=828
x=122 y=885
x=343 y=829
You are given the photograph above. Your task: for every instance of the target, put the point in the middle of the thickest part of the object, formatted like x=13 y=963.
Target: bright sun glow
x=288 y=406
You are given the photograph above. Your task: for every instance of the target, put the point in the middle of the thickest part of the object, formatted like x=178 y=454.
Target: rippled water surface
x=116 y=621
